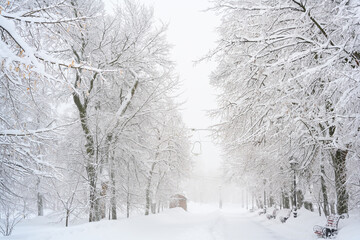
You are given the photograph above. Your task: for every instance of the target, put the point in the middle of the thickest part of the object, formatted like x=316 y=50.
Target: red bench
x=330 y=228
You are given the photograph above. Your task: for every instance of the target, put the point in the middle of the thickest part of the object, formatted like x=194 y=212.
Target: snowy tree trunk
x=148 y=201
x=324 y=191
x=40 y=203
x=94 y=214
x=342 y=197
x=259 y=202
x=242 y=199
x=128 y=192
x=128 y=186
x=339 y=165
x=148 y=191
x=102 y=204
x=271 y=201
x=128 y=204
x=332 y=207
x=247 y=199
x=148 y=198
x=24 y=209
x=153 y=207
x=111 y=161
x=159 y=207
x=156 y=204
x=252 y=202
x=67 y=217
x=113 y=189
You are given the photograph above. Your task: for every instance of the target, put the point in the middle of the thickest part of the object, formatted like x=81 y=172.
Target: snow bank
x=202 y=222
x=302 y=227
x=350 y=228
x=171 y=224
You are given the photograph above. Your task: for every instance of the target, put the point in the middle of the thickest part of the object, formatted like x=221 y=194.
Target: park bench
x=262 y=211
x=331 y=227
x=273 y=214
x=286 y=216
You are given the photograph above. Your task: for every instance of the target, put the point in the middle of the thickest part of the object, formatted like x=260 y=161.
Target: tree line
x=288 y=81
x=88 y=120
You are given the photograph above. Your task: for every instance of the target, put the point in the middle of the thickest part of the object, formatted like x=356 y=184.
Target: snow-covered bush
x=9 y=217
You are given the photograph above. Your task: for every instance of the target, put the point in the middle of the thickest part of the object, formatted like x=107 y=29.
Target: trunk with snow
x=111 y=160
x=113 y=190
x=127 y=205
x=40 y=203
x=153 y=208
x=148 y=191
x=159 y=207
x=128 y=191
x=332 y=208
x=324 y=191
x=67 y=217
x=91 y=168
x=342 y=197
x=104 y=187
x=94 y=214
x=147 y=198
x=252 y=201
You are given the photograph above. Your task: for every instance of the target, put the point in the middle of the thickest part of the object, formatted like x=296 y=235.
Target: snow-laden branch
x=230 y=6
x=42 y=20
x=120 y=112
x=10 y=28
x=22 y=133
x=43 y=9
x=33 y=57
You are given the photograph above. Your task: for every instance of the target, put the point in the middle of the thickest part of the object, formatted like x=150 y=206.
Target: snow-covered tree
x=83 y=89
x=28 y=117
x=287 y=71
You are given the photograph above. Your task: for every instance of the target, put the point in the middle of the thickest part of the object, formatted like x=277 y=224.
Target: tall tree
x=287 y=76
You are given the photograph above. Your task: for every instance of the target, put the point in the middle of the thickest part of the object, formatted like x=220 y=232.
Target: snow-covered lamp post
x=293 y=165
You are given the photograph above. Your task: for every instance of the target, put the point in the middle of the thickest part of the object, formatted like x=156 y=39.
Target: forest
x=289 y=101
x=88 y=117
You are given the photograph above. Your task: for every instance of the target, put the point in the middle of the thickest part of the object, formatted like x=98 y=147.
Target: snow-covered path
x=175 y=224
x=234 y=224
x=241 y=226
x=201 y=222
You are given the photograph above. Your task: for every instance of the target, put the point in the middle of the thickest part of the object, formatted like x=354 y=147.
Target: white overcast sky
x=192 y=32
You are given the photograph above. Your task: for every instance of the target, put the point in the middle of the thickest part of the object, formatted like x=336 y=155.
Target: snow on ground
x=202 y=222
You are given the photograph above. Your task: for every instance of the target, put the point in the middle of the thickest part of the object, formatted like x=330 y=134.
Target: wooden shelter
x=178 y=200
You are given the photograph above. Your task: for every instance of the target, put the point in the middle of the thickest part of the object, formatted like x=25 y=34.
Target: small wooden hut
x=178 y=200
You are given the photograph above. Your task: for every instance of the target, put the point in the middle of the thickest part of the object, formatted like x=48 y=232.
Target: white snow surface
x=201 y=222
